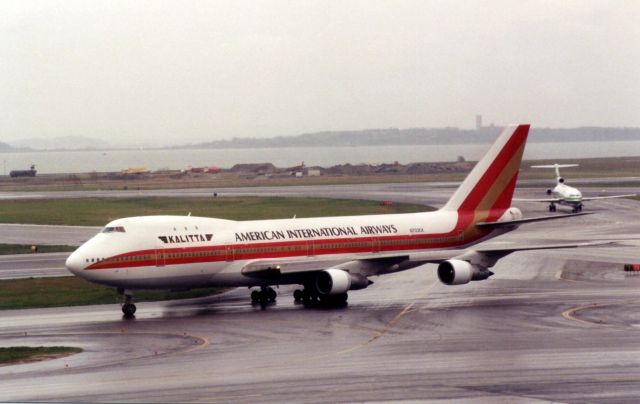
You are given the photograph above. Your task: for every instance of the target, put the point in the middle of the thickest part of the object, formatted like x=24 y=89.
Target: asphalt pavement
x=556 y=325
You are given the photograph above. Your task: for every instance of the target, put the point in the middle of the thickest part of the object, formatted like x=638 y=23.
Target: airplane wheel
x=255 y=296
x=308 y=297
x=552 y=208
x=334 y=300
x=129 y=309
x=298 y=295
x=342 y=298
x=271 y=294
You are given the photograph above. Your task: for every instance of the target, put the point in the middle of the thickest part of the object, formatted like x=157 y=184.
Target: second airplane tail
x=488 y=189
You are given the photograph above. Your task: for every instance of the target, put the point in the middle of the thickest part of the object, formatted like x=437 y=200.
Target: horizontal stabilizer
x=556 y=166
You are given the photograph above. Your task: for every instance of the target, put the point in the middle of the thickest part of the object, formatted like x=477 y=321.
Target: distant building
x=135 y=171
x=478 y=122
x=24 y=173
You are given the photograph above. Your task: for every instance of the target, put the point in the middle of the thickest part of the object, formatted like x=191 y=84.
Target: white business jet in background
x=327 y=256
x=563 y=194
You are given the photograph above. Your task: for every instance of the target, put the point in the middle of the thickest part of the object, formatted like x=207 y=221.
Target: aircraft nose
x=74 y=263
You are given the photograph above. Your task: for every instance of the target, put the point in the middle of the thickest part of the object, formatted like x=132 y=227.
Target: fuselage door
x=230 y=252
x=160 y=255
x=375 y=245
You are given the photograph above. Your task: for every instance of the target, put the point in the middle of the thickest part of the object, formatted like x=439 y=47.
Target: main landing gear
x=577 y=208
x=128 y=308
x=265 y=295
x=552 y=207
x=310 y=297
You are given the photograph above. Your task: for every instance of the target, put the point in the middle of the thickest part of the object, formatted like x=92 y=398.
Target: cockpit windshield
x=110 y=229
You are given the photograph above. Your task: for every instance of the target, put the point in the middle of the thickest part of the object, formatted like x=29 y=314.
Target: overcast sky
x=173 y=72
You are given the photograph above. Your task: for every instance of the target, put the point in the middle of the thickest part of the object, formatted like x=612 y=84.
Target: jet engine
x=549 y=192
x=334 y=281
x=458 y=272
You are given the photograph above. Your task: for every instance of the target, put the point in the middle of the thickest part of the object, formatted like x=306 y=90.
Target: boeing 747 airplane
x=327 y=256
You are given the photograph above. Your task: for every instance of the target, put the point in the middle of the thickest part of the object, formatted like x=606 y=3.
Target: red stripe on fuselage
x=237 y=252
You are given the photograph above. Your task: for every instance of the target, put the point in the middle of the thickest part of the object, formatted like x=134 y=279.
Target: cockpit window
x=109 y=229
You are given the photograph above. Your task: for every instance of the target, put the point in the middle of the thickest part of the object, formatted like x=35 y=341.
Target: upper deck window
x=118 y=229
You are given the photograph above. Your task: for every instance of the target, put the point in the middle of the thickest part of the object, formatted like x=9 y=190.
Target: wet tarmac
x=556 y=325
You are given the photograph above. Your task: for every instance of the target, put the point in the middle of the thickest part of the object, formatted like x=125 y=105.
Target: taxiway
x=556 y=325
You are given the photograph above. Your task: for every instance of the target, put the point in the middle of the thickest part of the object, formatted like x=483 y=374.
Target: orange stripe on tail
x=487 y=191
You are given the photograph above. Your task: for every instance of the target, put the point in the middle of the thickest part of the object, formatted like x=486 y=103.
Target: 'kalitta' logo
x=186 y=238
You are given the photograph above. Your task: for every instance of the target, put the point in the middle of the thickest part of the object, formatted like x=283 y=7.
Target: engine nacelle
x=333 y=281
x=458 y=272
x=549 y=191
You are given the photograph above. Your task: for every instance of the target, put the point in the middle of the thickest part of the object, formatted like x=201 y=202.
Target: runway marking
x=570 y=313
x=380 y=332
x=391 y=322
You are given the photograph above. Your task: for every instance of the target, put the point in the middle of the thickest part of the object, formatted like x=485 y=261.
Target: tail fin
x=489 y=186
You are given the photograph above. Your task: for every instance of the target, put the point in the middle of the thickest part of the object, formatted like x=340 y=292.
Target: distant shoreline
x=60 y=162
x=265 y=174
x=370 y=137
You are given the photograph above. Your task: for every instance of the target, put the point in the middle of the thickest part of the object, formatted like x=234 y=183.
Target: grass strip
x=6 y=249
x=24 y=354
x=72 y=291
x=99 y=211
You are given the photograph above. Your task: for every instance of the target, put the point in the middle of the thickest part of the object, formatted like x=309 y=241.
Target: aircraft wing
x=364 y=264
x=588 y=198
x=488 y=257
x=595 y=198
x=504 y=251
x=528 y=220
x=547 y=200
x=370 y=265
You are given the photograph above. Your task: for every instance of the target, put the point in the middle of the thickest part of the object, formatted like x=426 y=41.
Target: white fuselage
x=184 y=251
x=567 y=195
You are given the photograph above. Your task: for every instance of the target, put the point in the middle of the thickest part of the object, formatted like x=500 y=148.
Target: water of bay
x=117 y=160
